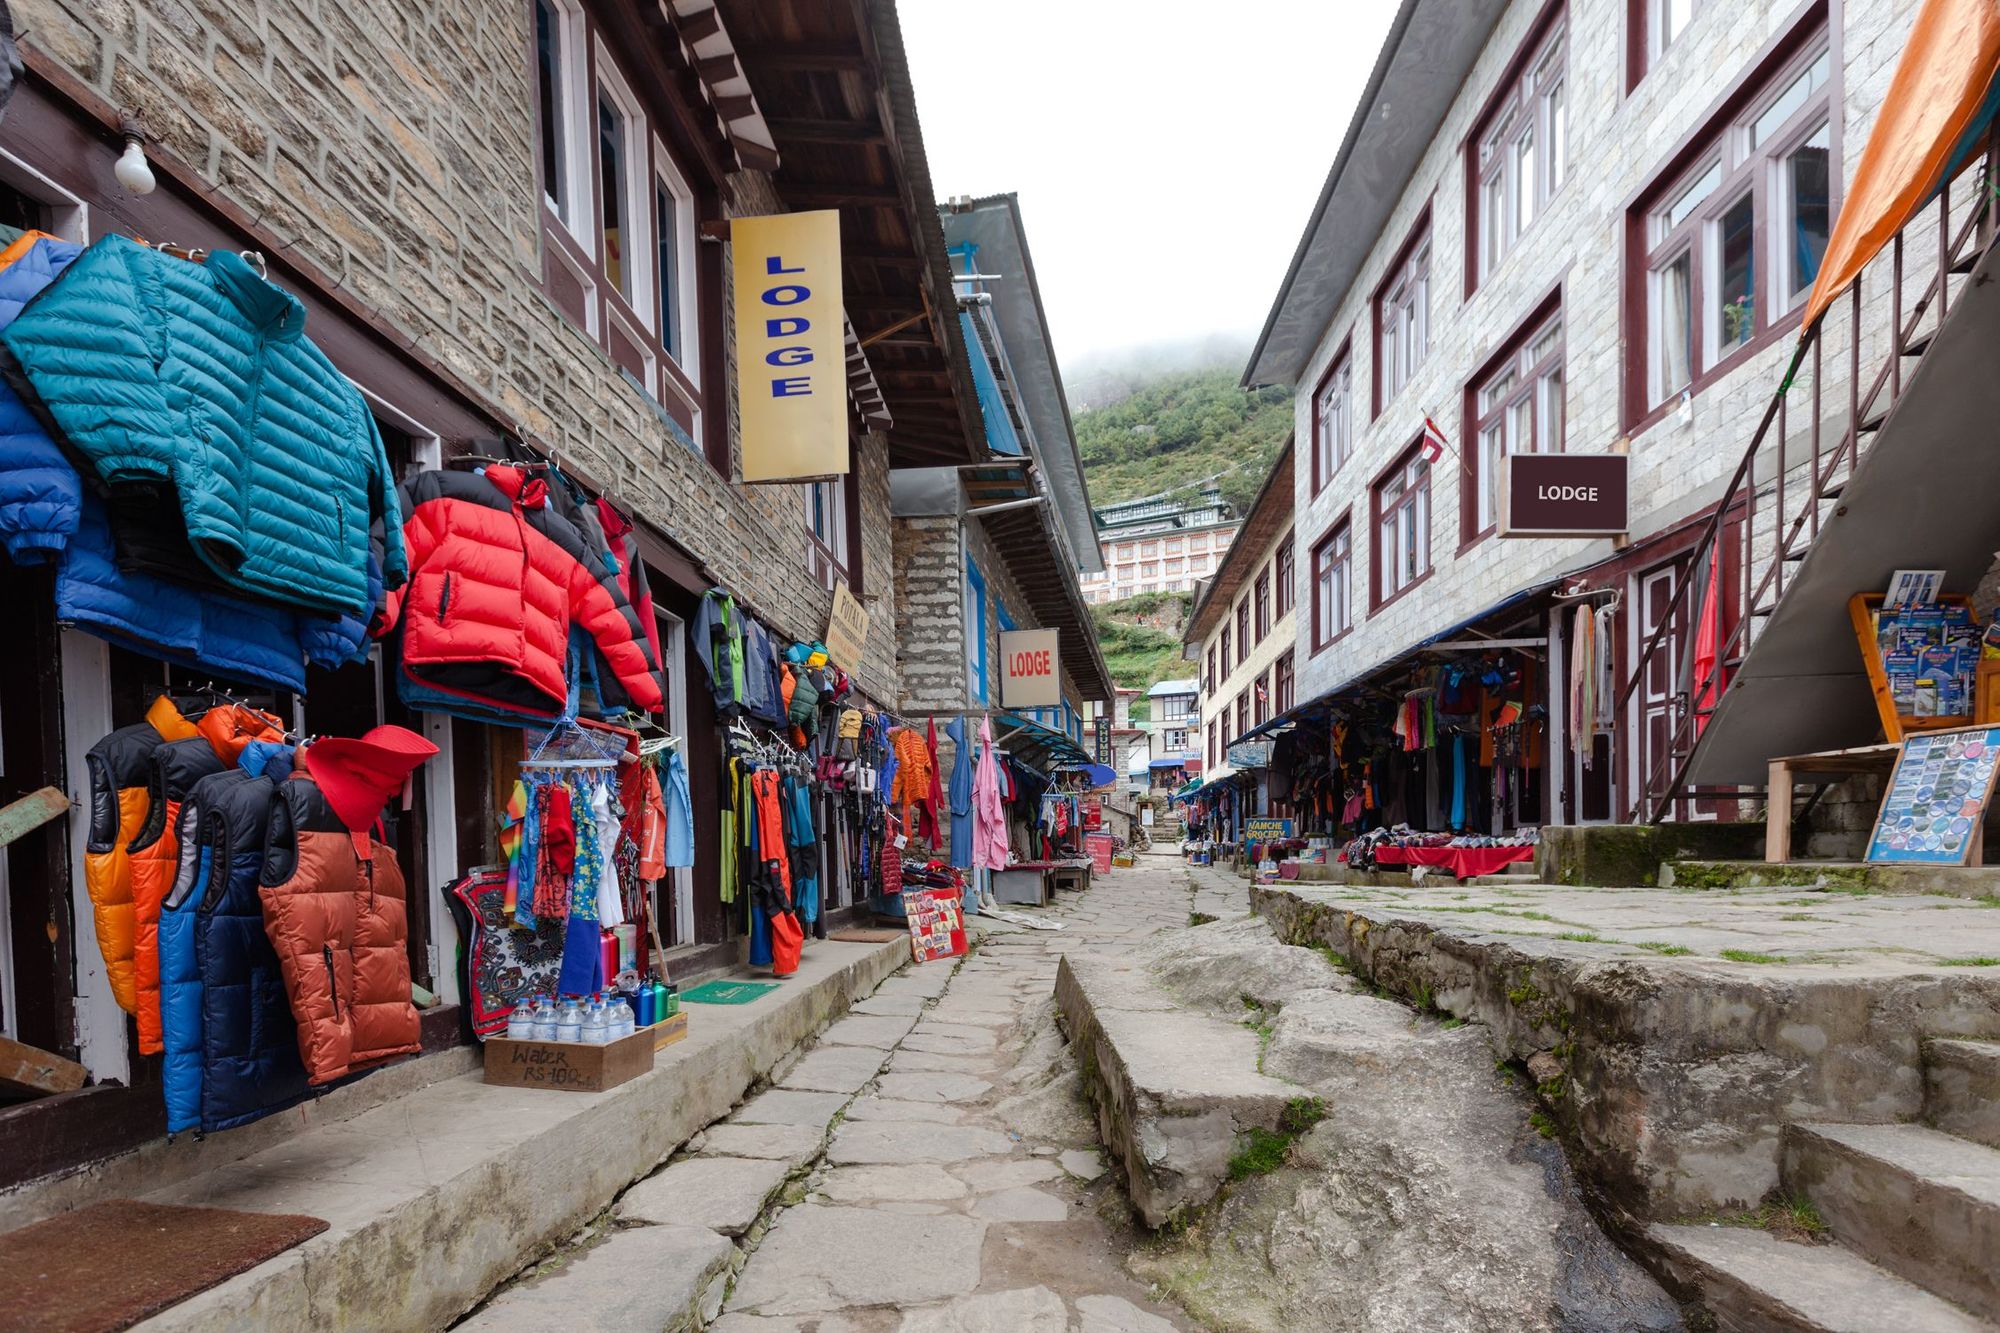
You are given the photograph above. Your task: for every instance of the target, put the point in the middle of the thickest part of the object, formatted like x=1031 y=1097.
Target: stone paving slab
x=879 y=1108
x=924 y=1062
x=933 y=1087
x=790 y=1106
x=1021 y=1205
x=891 y=1183
x=892 y=1005
x=819 y=1257
x=877 y=1030
x=1115 y=1314
x=792 y=1144
x=834 y=1069
x=724 y=1194
x=869 y=1141
x=1023 y=1310
x=987 y=1177
x=596 y=1291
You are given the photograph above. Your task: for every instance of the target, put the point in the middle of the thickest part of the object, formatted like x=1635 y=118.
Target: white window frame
x=1405 y=339
x=638 y=256
x=574 y=132
x=687 y=355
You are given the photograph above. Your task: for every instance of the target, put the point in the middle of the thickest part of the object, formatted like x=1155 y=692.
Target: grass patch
x=1787 y=1219
x=1751 y=956
x=1798 y=916
x=1664 y=950
x=1201 y=918
x=1978 y=960
x=1261 y=1151
x=1454 y=1021
x=1542 y=1124
x=1581 y=936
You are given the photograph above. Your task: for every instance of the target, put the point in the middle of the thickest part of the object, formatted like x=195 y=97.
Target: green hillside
x=1181 y=429
x=1141 y=638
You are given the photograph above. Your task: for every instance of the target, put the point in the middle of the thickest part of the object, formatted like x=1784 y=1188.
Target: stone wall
x=392 y=145
x=930 y=615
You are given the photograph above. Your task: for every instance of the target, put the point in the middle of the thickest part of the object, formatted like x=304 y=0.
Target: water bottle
x=569 y=1022
x=545 y=1019
x=621 y=1018
x=521 y=1022
x=596 y=1023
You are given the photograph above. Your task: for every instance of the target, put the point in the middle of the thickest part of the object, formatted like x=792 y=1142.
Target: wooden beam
x=845 y=196
x=30 y=813
x=818 y=129
x=35 y=1071
x=901 y=324
x=803 y=55
x=717 y=69
x=697 y=26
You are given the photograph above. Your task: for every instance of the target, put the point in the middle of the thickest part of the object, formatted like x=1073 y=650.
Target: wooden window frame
x=1646 y=41
x=1262 y=596
x=1413 y=259
x=1338 y=533
x=1242 y=711
x=1285 y=575
x=1414 y=472
x=1529 y=379
x=1243 y=641
x=1284 y=683
x=1520 y=105
x=1333 y=440
x=1720 y=145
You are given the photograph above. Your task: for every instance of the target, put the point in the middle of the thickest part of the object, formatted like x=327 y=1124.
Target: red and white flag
x=1433 y=443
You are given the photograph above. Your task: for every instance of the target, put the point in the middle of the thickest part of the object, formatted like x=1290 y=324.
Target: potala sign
x=1030 y=669
x=791 y=352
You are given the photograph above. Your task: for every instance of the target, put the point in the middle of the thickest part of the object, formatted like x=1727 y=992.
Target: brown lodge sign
x=1563 y=495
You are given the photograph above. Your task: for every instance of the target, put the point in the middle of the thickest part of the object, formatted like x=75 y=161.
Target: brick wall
x=1617 y=144
x=391 y=144
x=930 y=615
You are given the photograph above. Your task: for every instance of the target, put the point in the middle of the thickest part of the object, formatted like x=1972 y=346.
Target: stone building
x=1159 y=543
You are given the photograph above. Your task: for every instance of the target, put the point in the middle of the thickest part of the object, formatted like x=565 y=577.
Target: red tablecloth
x=1462 y=862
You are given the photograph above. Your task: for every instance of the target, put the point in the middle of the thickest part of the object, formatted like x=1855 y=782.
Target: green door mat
x=726 y=992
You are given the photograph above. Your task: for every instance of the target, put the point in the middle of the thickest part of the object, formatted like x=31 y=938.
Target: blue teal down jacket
x=46 y=515
x=194 y=384
x=232 y=1051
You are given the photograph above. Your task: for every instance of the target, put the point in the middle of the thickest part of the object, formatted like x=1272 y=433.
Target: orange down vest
x=119 y=766
x=339 y=924
x=155 y=851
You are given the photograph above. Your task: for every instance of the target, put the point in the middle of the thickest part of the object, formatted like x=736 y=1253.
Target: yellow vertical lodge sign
x=791 y=355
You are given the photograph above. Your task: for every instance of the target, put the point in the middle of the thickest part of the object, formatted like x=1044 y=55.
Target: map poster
x=1936 y=798
x=937 y=923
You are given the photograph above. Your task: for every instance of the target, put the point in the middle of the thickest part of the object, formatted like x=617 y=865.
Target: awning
x=1168 y=763
x=1041 y=748
x=1937 y=106
x=1318 y=703
x=1100 y=775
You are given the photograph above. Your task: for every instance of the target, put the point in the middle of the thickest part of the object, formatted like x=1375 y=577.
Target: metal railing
x=1779 y=492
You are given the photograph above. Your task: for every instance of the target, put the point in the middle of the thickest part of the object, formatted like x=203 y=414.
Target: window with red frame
x=1263 y=600
x=1403 y=317
x=1333 y=420
x=1283 y=683
x=1517 y=409
x=1402 y=525
x=1520 y=150
x=1657 y=25
x=1285 y=573
x=1208 y=675
x=1243 y=644
x=1261 y=692
x=1222 y=658
x=1211 y=745
x=830 y=514
x=1726 y=247
x=1242 y=713
x=1333 y=586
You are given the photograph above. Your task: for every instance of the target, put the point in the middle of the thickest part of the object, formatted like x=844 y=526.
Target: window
x=1285 y=574
x=1728 y=247
x=1660 y=24
x=1147 y=550
x=1263 y=596
x=1403 y=316
x=1520 y=152
x=1242 y=631
x=1124 y=550
x=1150 y=570
x=1174 y=546
x=1517 y=409
x=1208 y=677
x=551 y=72
x=1223 y=658
x=827 y=510
x=1333 y=420
x=1211 y=745
x=1242 y=713
x=1284 y=685
x=1402 y=525
x=1333 y=586
x=673 y=261
x=1176 y=566
x=1261 y=693
x=975 y=632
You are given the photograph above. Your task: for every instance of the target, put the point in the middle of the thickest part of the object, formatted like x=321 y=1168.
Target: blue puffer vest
x=232 y=1050
x=194 y=384
x=44 y=514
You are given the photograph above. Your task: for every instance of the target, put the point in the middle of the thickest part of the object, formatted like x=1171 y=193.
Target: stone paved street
x=961 y=1189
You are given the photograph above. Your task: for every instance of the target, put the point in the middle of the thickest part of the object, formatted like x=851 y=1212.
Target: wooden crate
x=569 y=1066
x=669 y=1030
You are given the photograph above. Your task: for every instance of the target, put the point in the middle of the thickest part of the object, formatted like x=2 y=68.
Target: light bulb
x=132 y=169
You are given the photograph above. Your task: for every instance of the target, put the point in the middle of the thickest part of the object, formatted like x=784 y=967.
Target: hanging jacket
x=229 y=1036
x=224 y=730
x=960 y=794
x=569 y=500
x=989 y=814
x=497 y=579
x=762 y=693
x=46 y=515
x=335 y=913
x=718 y=642
x=228 y=442
x=632 y=580
x=120 y=766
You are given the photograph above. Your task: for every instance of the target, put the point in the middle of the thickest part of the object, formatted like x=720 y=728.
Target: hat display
x=359 y=775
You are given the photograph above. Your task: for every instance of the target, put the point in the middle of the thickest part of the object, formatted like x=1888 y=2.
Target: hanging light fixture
x=132 y=169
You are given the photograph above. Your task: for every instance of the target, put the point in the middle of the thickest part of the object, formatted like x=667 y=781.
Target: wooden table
x=1073 y=875
x=1829 y=765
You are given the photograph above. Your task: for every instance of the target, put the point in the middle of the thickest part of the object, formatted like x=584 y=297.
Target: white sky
x=1166 y=153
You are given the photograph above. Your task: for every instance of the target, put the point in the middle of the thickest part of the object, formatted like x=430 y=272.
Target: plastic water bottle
x=569 y=1021
x=596 y=1023
x=622 y=1025
x=521 y=1022
x=545 y=1019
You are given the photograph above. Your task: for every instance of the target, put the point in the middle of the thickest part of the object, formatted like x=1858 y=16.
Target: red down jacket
x=497 y=578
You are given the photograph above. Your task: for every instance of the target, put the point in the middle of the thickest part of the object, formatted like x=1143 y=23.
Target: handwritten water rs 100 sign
x=1937 y=797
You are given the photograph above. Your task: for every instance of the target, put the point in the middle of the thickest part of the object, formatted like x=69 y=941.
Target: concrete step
x=1755 y=1283
x=1919 y=1202
x=1832 y=876
x=1962 y=1088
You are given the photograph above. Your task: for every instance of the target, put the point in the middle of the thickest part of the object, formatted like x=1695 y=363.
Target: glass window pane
x=1492 y=445
x=611 y=168
x=1493 y=217
x=666 y=234
x=1790 y=100
x=1526 y=178
x=1496 y=389
x=1736 y=293
x=1549 y=422
x=1683 y=206
x=1557 y=115
x=1673 y=327
x=548 y=78
x=1674 y=16
x=1806 y=182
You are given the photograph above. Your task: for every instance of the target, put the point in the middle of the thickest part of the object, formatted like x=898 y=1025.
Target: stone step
x=1921 y=1203
x=1832 y=877
x=1962 y=1088
x=1755 y=1283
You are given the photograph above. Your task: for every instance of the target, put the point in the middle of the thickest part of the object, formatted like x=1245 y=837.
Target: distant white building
x=1160 y=543
x=1173 y=723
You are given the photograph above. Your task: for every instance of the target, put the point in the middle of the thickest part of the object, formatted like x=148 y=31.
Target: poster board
x=1936 y=798
x=1100 y=846
x=937 y=923
x=1267 y=830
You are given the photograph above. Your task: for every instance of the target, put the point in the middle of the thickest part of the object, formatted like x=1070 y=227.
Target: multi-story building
x=1589 y=227
x=1173 y=715
x=1160 y=543
x=1241 y=630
